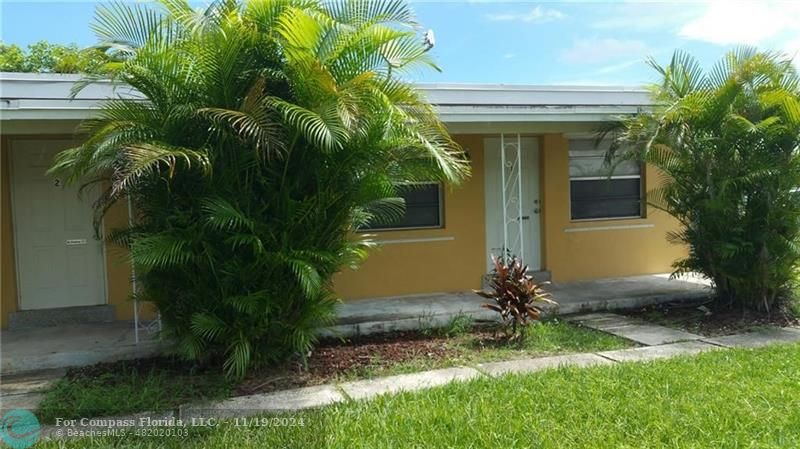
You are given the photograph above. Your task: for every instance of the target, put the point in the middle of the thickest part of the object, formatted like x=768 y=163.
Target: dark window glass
x=605 y=198
x=596 y=189
x=423 y=207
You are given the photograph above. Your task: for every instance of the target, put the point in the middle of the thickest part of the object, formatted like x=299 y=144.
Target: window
x=593 y=194
x=423 y=207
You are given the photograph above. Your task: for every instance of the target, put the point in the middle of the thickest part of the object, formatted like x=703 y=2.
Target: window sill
x=632 y=218
x=415 y=228
x=610 y=227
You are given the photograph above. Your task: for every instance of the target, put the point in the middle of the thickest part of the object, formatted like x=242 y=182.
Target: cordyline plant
x=517 y=297
x=265 y=133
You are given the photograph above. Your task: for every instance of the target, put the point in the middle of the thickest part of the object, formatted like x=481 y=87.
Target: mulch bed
x=712 y=320
x=331 y=358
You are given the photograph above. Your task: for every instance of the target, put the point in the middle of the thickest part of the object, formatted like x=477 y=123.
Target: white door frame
x=9 y=142
x=526 y=186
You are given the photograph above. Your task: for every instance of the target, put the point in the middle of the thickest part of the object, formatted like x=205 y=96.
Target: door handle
x=75 y=242
x=525 y=217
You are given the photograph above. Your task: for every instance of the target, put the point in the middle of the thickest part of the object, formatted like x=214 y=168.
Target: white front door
x=59 y=262
x=525 y=209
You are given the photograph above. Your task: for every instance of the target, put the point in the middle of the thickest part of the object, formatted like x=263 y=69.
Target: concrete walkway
x=639 y=331
x=360 y=317
x=26 y=391
x=55 y=347
x=318 y=396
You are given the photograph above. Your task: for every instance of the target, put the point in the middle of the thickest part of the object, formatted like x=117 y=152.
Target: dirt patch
x=711 y=320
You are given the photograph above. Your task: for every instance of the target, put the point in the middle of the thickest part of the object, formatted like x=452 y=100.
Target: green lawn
x=723 y=399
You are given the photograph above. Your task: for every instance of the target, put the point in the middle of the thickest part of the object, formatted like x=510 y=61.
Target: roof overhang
x=29 y=96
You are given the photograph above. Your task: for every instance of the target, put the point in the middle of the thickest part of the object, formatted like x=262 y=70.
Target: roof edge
x=458 y=86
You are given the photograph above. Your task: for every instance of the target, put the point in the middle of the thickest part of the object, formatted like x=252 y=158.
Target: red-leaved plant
x=517 y=297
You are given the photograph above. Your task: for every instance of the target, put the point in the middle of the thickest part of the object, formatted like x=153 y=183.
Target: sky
x=552 y=42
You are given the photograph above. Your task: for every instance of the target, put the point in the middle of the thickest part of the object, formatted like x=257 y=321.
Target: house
x=538 y=187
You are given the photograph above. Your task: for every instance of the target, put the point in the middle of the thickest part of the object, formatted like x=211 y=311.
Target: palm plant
x=265 y=133
x=727 y=145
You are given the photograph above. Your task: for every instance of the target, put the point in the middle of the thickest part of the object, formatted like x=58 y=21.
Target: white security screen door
x=59 y=262
x=512 y=198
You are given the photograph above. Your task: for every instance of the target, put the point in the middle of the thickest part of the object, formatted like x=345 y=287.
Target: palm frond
x=160 y=251
x=222 y=215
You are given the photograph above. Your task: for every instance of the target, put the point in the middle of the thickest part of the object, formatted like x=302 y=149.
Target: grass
x=721 y=399
x=126 y=387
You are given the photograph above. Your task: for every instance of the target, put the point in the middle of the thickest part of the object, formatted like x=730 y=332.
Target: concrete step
x=32 y=319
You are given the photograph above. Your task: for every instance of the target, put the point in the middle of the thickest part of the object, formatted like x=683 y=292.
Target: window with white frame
x=601 y=191
x=423 y=207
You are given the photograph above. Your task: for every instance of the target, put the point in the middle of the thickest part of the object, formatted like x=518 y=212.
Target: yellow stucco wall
x=404 y=268
x=637 y=246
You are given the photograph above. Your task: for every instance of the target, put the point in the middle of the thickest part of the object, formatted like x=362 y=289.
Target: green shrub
x=726 y=143
x=268 y=133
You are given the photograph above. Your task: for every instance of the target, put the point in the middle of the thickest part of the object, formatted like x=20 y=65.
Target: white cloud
x=645 y=16
x=535 y=15
x=592 y=51
x=743 y=22
x=613 y=68
x=508 y=55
